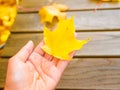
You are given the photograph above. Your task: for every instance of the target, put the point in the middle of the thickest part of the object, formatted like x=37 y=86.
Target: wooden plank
x=84 y=21
x=72 y=4
x=102 y=44
x=3 y=70
x=92 y=73
x=27 y=23
x=16 y=41
x=83 y=73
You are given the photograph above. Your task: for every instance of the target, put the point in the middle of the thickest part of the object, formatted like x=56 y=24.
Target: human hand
x=33 y=69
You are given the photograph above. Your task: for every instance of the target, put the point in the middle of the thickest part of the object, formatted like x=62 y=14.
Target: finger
x=38 y=49
x=75 y=34
x=55 y=61
x=36 y=59
x=41 y=64
x=72 y=54
x=48 y=57
x=25 y=52
x=62 y=64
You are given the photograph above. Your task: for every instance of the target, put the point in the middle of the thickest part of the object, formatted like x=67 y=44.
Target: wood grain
x=83 y=73
x=84 y=21
x=3 y=70
x=102 y=44
x=92 y=73
x=17 y=41
x=72 y=4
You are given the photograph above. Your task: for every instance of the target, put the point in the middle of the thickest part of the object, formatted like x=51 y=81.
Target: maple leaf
x=7 y=15
x=4 y=36
x=61 y=42
x=8 y=11
x=48 y=13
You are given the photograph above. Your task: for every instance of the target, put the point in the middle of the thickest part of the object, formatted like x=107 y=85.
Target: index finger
x=38 y=49
x=25 y=52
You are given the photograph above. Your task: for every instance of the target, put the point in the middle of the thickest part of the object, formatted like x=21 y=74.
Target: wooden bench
x=97 y=65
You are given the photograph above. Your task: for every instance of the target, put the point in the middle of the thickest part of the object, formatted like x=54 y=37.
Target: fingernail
x=29 y=43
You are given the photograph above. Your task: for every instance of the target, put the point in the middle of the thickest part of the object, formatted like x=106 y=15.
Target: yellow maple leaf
x=4 y=36
x=48 y=13
x=8 y=11
x=61 y=42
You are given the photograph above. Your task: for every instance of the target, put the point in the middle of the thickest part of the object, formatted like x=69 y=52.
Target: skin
x=33 y=69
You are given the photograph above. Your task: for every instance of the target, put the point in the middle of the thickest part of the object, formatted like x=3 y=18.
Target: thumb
x=25 y=52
